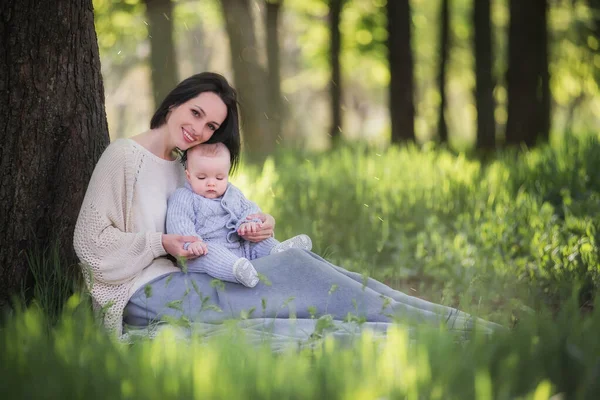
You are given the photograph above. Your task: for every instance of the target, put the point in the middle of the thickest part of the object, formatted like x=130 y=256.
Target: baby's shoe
x=245 y=273
x=297 y=242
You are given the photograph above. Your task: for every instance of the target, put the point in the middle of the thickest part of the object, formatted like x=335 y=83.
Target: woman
x=120 y=239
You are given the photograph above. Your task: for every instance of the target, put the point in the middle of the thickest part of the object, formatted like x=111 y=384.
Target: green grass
x=514 y=240
x=542 y=356
x=520 y=229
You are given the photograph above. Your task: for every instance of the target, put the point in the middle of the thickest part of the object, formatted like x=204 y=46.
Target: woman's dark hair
x=229 y=131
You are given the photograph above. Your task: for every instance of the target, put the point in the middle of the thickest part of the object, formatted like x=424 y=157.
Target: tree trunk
x=53 y=128
x=275 y=113
x=250 y=78
x=162 y=48
x=484 y=85
x=401 y=103
x=544 y=62
x=335 y=85
x=594 y=6
x=527 y=76
x=444 y=49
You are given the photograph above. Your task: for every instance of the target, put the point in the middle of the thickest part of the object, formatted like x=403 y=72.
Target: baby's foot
x=245 y=273
x=297 y=242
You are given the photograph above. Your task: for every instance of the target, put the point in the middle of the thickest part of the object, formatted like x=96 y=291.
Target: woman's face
x=195 y=121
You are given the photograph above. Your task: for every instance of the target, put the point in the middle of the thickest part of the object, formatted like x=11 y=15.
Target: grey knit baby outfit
x=216 y=222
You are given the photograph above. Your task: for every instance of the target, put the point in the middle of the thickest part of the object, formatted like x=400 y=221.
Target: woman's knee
x=298 y=253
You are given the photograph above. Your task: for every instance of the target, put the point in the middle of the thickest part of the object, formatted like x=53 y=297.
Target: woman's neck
x=156 y=142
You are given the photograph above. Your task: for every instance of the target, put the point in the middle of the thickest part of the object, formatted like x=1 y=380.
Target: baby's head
x=207 y=169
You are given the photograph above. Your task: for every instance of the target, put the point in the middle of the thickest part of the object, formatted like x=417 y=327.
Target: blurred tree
x=443 y=61
x=401 y=102
x=335 y=84
x=484 y=86
x=275 y=113
x=527 y=76
x=50 y=73
x=576 y=63
x=595 y=7
x=250 y=78
x=162 y=48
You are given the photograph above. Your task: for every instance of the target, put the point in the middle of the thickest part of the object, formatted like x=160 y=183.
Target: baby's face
x=208 y=176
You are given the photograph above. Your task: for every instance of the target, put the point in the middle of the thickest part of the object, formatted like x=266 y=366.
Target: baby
x=215 y=210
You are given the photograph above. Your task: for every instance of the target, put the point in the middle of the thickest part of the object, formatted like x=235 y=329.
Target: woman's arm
x=101 y=240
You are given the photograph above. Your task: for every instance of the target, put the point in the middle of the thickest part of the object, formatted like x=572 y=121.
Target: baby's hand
x=198 y=248
x=249 y=227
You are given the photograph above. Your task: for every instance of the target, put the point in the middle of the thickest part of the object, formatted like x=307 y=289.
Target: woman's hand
x=264 y=231
x=173 y=245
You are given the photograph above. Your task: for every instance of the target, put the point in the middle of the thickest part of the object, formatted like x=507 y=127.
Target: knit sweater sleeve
x=103 y=238
x=181 y=218
x=247 y=207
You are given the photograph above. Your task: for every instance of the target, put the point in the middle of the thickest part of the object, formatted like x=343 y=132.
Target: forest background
x=307 y=61
x=470 y=78
x=448 y=148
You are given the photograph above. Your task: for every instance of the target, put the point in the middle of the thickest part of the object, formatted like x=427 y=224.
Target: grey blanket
x=298 y=289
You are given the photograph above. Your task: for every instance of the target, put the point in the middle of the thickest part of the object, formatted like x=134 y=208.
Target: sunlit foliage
x=75 y=360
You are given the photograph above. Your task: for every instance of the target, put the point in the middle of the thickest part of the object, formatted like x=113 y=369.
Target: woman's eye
x=212 y=127
x=195 y=113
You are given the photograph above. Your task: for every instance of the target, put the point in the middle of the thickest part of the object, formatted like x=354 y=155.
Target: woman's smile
x=188 y=137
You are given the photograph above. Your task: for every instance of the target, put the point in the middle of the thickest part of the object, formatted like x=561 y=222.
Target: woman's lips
x=189 y=138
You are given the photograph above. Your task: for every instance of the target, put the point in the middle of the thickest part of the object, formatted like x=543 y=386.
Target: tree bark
x=401 y=103
x=53 y=128
x=444 y=50
x=544 y=62
x=162 y=48
x=335 y=84
x=527 y=77
x=250 y=78
x=484 y=84
x=275 y=113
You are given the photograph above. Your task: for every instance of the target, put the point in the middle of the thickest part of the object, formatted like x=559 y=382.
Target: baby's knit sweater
x=118 y=234
x=214 y=220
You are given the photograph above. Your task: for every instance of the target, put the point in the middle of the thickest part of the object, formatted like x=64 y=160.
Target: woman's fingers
x=257 y=237
x=187 y=239
x=261 y=216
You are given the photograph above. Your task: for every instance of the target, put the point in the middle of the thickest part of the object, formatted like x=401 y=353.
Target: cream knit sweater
x=118 y=235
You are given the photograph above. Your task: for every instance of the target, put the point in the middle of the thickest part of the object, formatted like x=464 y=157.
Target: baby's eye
x=201 y=178
x=219 y=179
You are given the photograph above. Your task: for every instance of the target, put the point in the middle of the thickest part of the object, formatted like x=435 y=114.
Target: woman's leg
x=452 y=313
x=388 y=291
x=316 y=287
x=298 y=284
